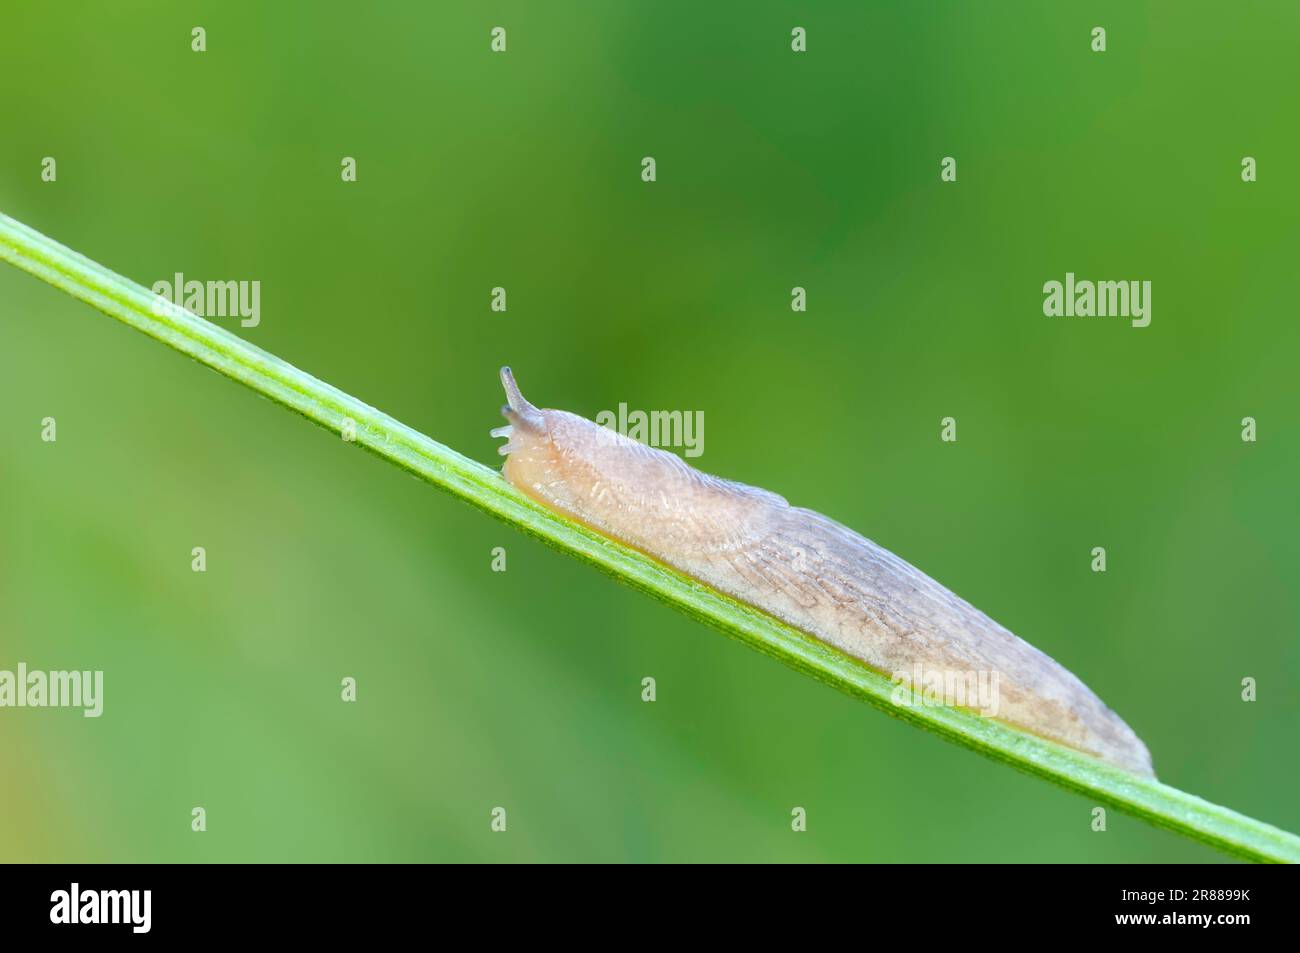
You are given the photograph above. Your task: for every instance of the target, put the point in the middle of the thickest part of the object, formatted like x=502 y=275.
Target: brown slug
x=801 y=567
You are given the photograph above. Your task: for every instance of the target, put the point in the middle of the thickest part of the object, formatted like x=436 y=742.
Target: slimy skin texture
x=799 y=566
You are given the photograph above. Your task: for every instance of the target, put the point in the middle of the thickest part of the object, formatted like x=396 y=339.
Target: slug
x=799 y=566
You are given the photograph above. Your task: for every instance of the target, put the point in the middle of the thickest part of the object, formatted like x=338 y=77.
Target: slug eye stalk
x=518 y=410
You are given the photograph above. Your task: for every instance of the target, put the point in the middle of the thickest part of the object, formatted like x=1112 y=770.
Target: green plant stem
x=484 y=488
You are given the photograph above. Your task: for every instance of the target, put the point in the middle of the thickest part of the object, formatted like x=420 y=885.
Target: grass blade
x=484 y=488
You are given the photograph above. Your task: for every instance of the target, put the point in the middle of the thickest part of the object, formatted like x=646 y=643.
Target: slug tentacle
x=519 y=409
x=507 y=431
x=805 y=569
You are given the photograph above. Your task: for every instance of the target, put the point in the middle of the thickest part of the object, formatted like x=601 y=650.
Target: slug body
x=799 y=566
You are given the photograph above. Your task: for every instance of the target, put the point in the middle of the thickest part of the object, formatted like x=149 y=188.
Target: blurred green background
x=775 y=169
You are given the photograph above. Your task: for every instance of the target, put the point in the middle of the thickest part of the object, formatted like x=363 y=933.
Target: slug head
x=562 y=460
x=529 y=449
